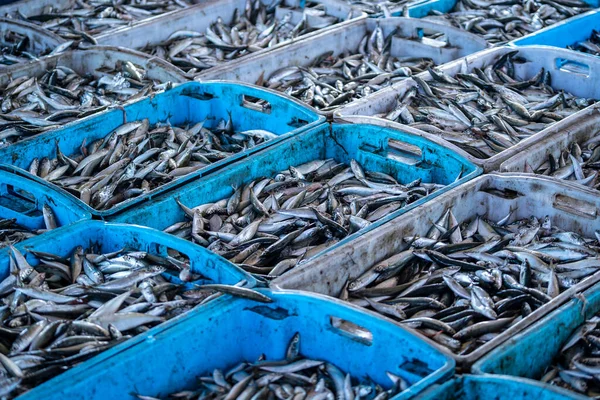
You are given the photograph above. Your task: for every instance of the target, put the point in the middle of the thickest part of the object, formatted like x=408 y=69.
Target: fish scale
x=30 y=106
x=500 y=22
x=293 y=377
x=136 y=158
x=256 y=28
x=487 y=111
x=270 y=225
x=332 y=81
x=87 y=18
x=463 y=294
x=58 y=317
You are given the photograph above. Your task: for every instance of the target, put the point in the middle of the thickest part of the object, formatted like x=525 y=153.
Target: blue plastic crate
x=530 y=352
x=564 y=33
x=367 y=144
x=113 y=237
x=226 y=332
x=188 y=103
x=23 y=200
x=471 y=387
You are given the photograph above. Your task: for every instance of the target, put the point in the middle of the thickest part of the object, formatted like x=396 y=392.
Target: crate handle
x=256 y=104
x=404 y=152
x=572 y=67
x=351 y=330
x=574 y=206
x=16 y=200
x=420 y=34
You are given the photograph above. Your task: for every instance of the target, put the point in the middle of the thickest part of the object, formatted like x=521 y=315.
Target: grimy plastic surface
x=225 y=332
x=571 y=71
x=23 y=200
x=185 y=104
x=346 y=38
x=565 y=33
x=529 y=353
x=375 y=148
x=199 y=17
x=114 y=237
x=569 y=207
x=472 y=387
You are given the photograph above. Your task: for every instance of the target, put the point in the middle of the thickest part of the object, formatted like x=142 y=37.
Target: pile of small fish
x=63 y=311
x=271 y=224
x=11 y=232
x=381 y=8
x=15 y=48
x=295 y=377
x=487 y=111
x=590 y=46
x=136 y=158
x=462 y=285
x=576 y=367
x=499 y=22
x=257 y=27
x=576 y=164
x=331 y=81
x=32 y=105
x=86 y=18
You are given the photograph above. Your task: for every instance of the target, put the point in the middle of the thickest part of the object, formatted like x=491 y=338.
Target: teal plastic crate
x=370 y=145
x=227 y=331
x=188 y=103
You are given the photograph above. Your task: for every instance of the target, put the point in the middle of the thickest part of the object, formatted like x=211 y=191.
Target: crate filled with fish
x=578 y=33
x=571 y=155
x=215 y=33
x=474 y=387
x=471 y=268
x=296 y=345
x=84 y=20
x=40 y=96
x=92 y=287
x=305 y=196
x=29 y=209
x=559 y=352
x=351 y=61
x=186 y=132
x=21 y=42
x=499 y=22
x=493 y=104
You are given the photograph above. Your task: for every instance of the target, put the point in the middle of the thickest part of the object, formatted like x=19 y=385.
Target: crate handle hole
x=351 y=330
x=432 y=37
x=256 y=104
x=572 y=67
x=404 y=152
x=575 y=206
x=18 y=200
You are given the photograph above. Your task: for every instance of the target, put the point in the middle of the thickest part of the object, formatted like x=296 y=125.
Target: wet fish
x=136 y=158
x=11 y=232
x=60 y=311
x=488 y=110
x=84 y=19
x=294 y=377
x=331 y=81
x=499 y=22
x=465 y=283
x=32 y=105
x=590 y=46
x=16 y=48
x=269 y=225
x=577 y=365
x=258 y=26
x=576 y=164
